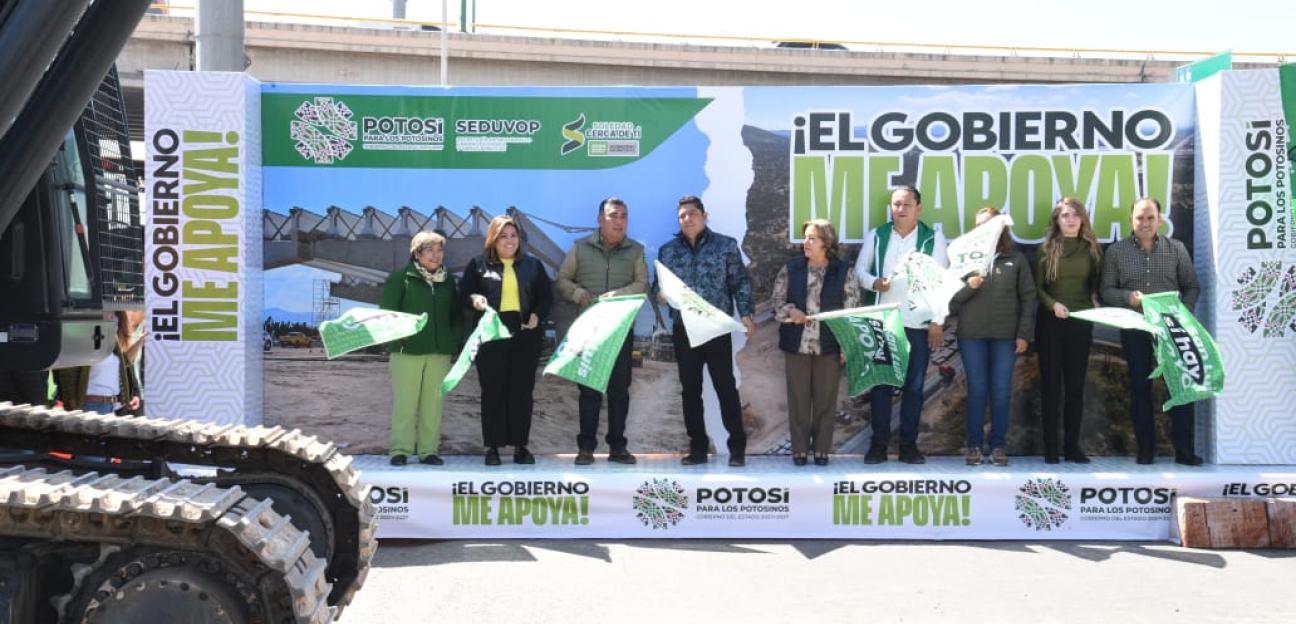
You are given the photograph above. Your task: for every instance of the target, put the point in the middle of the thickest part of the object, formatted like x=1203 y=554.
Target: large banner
x=203 y=246
x=352 y=172
x=1246 y=254
x=658 y=500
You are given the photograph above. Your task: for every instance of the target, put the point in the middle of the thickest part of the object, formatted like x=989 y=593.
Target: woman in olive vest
x=420 y=362
x=817 y=281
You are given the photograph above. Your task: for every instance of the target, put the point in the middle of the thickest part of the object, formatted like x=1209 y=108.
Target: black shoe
x=1145 y=457
x=1077 y=457
x=1053 y=459
x=621 y=457
x=584 y=458
x=431 y=460
x=492 y=456
x=910 y=454
x=821 y=460
x=737 y=461
x=522 y=456
x=876 y=454
x=798 y=460
x=397 y=460
x=1187 y=458
x=693 y=459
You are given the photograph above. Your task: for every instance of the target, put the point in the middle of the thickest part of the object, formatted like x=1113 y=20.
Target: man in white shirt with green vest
x=878 y=260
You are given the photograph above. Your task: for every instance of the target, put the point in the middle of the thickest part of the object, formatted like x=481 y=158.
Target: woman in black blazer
x=515 y=285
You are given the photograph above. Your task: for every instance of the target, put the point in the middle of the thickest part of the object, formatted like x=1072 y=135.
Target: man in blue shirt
x=710 y=264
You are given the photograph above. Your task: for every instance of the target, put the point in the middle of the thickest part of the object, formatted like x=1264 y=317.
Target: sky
x=1256 y=26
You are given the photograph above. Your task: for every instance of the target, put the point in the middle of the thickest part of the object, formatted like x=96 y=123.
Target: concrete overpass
x=291 y=52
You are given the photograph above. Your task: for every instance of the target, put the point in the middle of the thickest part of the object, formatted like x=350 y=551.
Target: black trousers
x=1141 y=361
x=1063 y=346
x=717 y=356
x=21 y=387
x=618 y=401
x=506 y=370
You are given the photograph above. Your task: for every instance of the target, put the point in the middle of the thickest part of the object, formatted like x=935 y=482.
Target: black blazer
x=535 y=292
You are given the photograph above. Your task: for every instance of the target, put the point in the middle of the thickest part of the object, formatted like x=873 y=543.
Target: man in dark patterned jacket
x=710 y=264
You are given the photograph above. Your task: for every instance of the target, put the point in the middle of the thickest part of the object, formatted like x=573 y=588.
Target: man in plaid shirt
x=1147 y=263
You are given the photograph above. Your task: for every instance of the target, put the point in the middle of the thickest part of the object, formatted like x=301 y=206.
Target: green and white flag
x=365 y=327
x=590 y=349
x=488 y=328
x=974 y=252
x=702 y=321
x=929 y=286
x=1120 y=318
x=874 y=343
x=1187 y=356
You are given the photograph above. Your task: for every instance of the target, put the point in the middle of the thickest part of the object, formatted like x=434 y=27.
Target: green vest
x=600 y=270
x=926 y=244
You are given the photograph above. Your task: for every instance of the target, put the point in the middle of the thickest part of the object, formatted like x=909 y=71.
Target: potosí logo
x=323 y=130
x=743 y=503
x=399 y=133
x=390 y=503
x=1117 y=503
x=1042 y=504
x=540 y=503
x=929 y=502
x=1267 y=297
x=660 y=503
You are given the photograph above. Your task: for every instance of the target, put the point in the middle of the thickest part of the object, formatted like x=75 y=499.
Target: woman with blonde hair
x=996 y=315
x=420 y=362
x=515 y=285
x=818 y=280
x=1066 y=277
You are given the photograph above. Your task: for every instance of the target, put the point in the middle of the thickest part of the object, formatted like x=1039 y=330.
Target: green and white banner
x=702 y=321
x=1120 y=318
x=974 y=252
x=488 y=328
x=589 y=352
x=930 y=288
x=364 y=327
x=1187 y=357
x=769 y=499
x=468 y=132
x=874 y=343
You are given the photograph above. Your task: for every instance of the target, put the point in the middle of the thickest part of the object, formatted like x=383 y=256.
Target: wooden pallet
x=1235 y=522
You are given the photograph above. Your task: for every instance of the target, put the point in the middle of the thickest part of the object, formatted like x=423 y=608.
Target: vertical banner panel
x=203 y=246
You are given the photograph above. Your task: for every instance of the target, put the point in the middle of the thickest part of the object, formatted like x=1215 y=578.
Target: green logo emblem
x=323 y=130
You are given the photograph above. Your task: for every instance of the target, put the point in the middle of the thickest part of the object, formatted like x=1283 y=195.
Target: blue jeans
x=911 y=403
x=102 y=408
x=989 y=366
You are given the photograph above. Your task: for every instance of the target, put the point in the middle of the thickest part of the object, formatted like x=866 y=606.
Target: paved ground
x=821 y=581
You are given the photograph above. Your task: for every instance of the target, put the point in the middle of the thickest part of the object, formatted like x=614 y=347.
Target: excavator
x=108 y=518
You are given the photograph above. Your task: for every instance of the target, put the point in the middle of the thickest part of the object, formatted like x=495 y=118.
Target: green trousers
x=416 y=402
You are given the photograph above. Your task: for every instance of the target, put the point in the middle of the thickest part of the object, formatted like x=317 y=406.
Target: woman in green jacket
x=419 y=362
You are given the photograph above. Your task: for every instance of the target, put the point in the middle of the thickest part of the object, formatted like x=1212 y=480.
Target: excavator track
x=203 y=533
x=315 y=469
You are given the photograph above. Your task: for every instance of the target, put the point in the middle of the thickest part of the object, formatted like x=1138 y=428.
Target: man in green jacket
x=605 y=264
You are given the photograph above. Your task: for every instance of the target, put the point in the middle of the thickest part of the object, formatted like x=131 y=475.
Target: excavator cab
x=265 y=524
